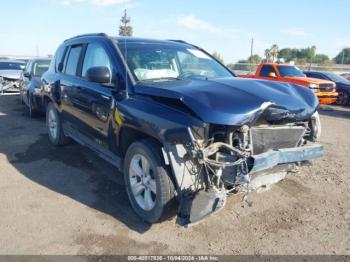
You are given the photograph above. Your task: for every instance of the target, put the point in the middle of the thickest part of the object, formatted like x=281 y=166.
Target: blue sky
x=222 y=25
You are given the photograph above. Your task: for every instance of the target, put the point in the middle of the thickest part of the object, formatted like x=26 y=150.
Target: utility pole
x=37 y=51
x=342 y=59
x=251 y=53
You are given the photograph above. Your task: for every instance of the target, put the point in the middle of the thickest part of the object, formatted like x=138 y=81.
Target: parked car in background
x=323 y=89
x=31 y=87
x=10 y=72
x=346 y=76
x=178 y=123
x=342 y=84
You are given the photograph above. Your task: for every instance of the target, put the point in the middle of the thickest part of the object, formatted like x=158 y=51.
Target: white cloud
x=294 y=31
x=95 y=2
x=194 y=23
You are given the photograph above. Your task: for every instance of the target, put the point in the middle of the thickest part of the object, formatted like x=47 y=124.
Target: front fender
x=164 y=123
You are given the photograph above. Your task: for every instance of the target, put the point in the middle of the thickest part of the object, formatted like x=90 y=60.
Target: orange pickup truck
x=324 y=90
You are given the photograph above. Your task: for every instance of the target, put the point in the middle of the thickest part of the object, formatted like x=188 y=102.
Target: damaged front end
x=8 y=84
x=219 y=160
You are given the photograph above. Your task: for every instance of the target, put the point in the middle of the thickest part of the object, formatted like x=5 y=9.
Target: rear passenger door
x=95 y=101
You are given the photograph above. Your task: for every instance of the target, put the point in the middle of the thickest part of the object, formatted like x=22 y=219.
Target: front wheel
x=54 y=126
x=31 y=111
x=343 y=98
x=148 y=183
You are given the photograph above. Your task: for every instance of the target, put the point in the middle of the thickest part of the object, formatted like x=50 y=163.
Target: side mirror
x=26 y=74
x=272 y=75
x=98 y=74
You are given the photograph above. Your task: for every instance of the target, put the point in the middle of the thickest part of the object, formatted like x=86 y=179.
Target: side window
x=73 y=60
x=320 y=76
x=28 y=67
x=266 y=69
x=95 y=56
x=311 y=75
x=58 y=57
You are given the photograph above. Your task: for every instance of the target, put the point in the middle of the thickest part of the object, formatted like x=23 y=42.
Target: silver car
x=10 y=72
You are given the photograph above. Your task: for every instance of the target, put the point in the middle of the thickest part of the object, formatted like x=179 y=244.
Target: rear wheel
x=54 y=126
x=148 y=183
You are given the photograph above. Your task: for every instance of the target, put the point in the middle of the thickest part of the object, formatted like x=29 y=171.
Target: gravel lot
x=68 y=201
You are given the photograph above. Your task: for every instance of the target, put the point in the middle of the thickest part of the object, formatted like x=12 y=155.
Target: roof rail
x=178 y=41
x=91 y=34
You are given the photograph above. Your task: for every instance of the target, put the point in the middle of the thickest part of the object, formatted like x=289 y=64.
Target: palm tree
x=267 y=54
x=274 y=52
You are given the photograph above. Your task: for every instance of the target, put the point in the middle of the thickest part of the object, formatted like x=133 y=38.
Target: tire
x=54 y=126
x=151 y=190
x=343 y=98
x=32 y=112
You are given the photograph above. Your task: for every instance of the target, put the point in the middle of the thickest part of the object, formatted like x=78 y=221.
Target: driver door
x=95 y=101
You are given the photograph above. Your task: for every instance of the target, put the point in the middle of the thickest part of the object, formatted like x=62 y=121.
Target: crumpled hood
x=235 y=101
x=12 y=74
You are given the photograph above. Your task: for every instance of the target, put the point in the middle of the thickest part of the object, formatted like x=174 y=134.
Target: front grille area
x=276 y=137
x=326 y=87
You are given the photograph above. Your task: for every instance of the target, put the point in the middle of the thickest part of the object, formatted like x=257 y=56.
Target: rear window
x=40 y=67
x=73 y=60
x=266 y=70
x=12 y=66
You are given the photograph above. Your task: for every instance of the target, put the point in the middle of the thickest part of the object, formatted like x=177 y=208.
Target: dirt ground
x=68 y=201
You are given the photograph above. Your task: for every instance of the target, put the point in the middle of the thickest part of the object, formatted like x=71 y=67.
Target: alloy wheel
x=143 y=184
x=52 y=122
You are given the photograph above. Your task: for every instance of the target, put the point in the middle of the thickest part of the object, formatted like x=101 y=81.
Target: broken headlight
x=315 y=127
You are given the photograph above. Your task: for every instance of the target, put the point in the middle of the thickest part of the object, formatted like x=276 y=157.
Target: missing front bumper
x=267 y=168
x=273 y=158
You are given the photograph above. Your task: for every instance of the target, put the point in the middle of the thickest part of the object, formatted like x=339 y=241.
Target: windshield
x=336 y=78
x=40 y=68
x=167 y=62
x=293 y=71
x=12 y=66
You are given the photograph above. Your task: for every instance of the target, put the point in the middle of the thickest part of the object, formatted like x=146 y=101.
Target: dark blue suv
x=179 y=125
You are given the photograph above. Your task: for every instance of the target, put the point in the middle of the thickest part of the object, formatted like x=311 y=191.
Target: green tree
x=218 y=57
x=254 y=59
x=240 y=65
x=343 y=57
x=288 y=54
x=125 y=28
x=307 y=53
x=321 y=59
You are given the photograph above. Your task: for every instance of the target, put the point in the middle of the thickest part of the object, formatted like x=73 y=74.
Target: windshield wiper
x=160 y=79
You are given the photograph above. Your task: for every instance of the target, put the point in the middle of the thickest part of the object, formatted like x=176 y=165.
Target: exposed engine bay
x=8 y=84
x=223 y=160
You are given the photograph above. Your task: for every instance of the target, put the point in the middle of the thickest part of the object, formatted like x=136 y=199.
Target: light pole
x=251 y=53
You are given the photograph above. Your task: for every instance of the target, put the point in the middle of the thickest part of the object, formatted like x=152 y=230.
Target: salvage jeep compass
x=179 y=125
